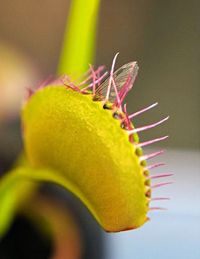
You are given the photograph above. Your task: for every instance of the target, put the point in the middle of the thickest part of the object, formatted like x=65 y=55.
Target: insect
x=115 y=87
x=108 y=87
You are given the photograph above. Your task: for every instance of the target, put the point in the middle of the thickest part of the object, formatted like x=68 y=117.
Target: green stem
x=79 y=39
x=17 y=188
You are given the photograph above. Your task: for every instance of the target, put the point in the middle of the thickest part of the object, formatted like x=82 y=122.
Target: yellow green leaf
x=89 y=154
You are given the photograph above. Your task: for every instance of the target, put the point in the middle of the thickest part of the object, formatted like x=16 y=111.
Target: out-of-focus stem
x=79 y=39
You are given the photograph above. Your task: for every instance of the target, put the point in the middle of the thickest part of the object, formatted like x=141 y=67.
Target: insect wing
x=100 y=91
x=123 y=77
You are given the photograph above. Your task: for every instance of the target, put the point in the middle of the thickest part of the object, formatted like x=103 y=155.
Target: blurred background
x=164 y=37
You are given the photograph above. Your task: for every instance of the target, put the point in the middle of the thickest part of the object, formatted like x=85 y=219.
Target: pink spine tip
x=159 y=176
x=147 y=126
x=146 y=143
x=160 y=199
x=125 y=108
x=149 y=167
x=152 y=155
x=118 y=101
x=111 y=77
x=93 y=79
x=142 y=111
x=160 y=185
x=157 y=208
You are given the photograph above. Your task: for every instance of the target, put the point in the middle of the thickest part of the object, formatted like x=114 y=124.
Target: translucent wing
x=124 y=78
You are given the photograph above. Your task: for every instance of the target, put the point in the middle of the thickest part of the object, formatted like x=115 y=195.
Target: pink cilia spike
x=67 y=82
x=111 y=76
x=159 y=176
x=148 y=126
x=142 y=111
x=126 y=114
x=30 y=92
x=93 y=79
x=159 y=199
x=160 y=185
x=45 y=82
x=157 y=208
x=117 y=94
x=149 y=167
x=97 y=81
x=149 y=156
x=96 y=72
x=125 y=109
x=146 y=143
x=126 y=120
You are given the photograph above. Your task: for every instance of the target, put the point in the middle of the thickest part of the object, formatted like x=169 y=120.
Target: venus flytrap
x=84 y=133
x=80 y=136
